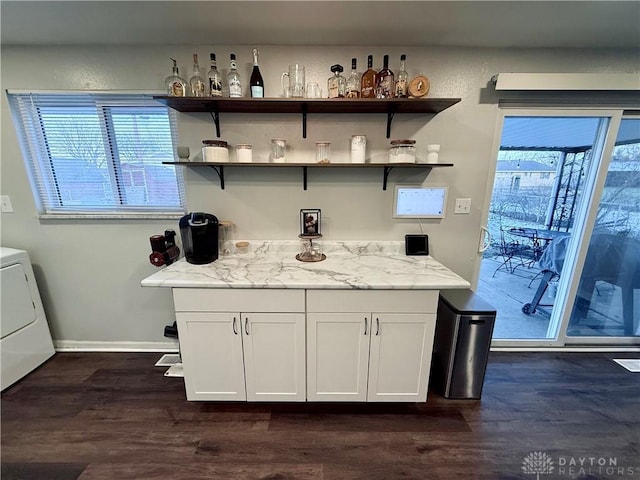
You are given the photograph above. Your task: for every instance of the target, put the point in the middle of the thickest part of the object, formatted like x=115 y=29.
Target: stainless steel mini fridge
x=464 y=327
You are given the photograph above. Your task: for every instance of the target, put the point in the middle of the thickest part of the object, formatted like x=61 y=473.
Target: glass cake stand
x=310 y=251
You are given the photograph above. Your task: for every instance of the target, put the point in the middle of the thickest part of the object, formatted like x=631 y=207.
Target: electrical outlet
x=463 y=205
x=6 y=204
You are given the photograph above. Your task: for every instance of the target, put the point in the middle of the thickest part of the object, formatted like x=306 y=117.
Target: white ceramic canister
x=215 y=151
x=432 y=153
x=358 y=148
x=244 y=153
x=402 y=151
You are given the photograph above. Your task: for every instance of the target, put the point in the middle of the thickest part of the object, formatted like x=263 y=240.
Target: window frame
x=39 y=161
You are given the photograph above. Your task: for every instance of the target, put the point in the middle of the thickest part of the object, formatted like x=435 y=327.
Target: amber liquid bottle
x=385 y=84
x=368 y=83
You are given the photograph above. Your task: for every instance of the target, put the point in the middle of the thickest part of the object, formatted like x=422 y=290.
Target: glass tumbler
x=323 y=152
x=278 y=149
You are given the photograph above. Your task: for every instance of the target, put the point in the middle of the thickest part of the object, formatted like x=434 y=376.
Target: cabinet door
x=399 y=362
x=274 y=355
x=211 y=350
x=337 y=356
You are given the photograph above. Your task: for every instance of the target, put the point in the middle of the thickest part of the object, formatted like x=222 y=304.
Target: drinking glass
x=294 y=85
x=278 y=149
x=313 y=90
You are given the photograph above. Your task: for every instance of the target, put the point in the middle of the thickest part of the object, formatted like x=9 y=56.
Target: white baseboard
x=568 y=349
x=81 y=346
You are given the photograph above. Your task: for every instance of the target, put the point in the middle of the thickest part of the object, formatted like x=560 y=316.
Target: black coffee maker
x=199 y=233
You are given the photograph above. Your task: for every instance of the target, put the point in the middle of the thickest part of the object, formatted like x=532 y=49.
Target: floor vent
x=631 y=364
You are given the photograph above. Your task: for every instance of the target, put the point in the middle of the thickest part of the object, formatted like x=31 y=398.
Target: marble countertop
x=349 y=265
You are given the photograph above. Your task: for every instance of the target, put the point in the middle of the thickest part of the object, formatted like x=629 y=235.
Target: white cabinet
x=212 y=355
x=274 y=356
x=369 y=345
x=400 y=357
x=325 y=345
x=337 y=356
x=242 y=345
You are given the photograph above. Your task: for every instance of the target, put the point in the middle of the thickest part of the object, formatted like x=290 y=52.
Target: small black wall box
x=416 y=244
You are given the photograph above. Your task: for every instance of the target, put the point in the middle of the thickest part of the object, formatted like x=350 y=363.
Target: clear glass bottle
x=256 y=82
x=196 y=82
x=235 y=87
x=175 y=84
x=337 y=84
x=402 y=82
x=385 y=83
x=215 y=79
x=368 y=81
x=353 y=82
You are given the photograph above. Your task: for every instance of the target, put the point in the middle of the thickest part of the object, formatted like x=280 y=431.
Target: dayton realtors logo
x=539 y=463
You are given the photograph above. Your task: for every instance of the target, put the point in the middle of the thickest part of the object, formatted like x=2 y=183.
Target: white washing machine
x=26 y=341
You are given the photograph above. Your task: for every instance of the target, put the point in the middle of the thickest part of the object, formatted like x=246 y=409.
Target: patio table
x=539 y=238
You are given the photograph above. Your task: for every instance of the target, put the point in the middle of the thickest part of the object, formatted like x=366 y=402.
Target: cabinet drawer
x=379 y=301
x=238 y=300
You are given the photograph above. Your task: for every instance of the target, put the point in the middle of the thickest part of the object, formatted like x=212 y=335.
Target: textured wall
x=89 y=270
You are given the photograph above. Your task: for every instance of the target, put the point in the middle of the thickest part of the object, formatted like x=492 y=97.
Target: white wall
x=89 y=270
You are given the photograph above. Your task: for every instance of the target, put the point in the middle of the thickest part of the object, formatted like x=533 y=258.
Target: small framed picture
x=309 y=222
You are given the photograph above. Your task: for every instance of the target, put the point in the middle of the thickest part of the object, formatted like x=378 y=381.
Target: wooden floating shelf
x=304 y=106
x=387 y=167
x=308 y=105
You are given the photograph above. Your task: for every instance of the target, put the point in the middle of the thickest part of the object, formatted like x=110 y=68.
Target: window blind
x=99 y=153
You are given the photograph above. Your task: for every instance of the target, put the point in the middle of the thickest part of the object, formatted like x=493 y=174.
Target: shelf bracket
x=385 y=176
x=219 y=169
x=389 y=119
x=304 y=122
x=304 y=178
x=216 y=120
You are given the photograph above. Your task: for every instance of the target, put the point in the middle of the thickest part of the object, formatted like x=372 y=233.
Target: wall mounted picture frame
x=309 y=222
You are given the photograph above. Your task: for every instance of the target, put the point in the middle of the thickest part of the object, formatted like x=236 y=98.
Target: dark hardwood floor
x=108 y=416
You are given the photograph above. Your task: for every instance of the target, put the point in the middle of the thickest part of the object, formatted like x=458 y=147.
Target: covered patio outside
x=541 y=170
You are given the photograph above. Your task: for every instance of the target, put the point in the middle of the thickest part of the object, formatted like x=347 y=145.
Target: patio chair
x=514 y=253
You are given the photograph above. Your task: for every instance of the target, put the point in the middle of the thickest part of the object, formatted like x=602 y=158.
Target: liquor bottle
x=384 y=81
x=368 y=81
x=196 y=81
x=176 y=85
x=256 y=82
x=235 y=87
x=215 y=79
x=353 y=82
x=337 y=84
x=403 y=77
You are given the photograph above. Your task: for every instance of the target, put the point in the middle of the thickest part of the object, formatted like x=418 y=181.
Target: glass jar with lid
x=243 y=153
x=402 y=151
x=215 y=151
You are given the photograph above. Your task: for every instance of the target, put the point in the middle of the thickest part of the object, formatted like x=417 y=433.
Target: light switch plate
x=463 y=205
x=6 y=204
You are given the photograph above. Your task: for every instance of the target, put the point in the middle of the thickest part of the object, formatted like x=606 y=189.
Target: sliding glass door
x=607 y=299
x=551 y=168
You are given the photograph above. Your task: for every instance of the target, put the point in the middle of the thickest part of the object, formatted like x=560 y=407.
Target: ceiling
x=579 y=24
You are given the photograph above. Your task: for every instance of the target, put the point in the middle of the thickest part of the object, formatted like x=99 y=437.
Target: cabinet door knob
x=365 y=325
x=234 y=326
x=377 y=326
x=246 y=326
